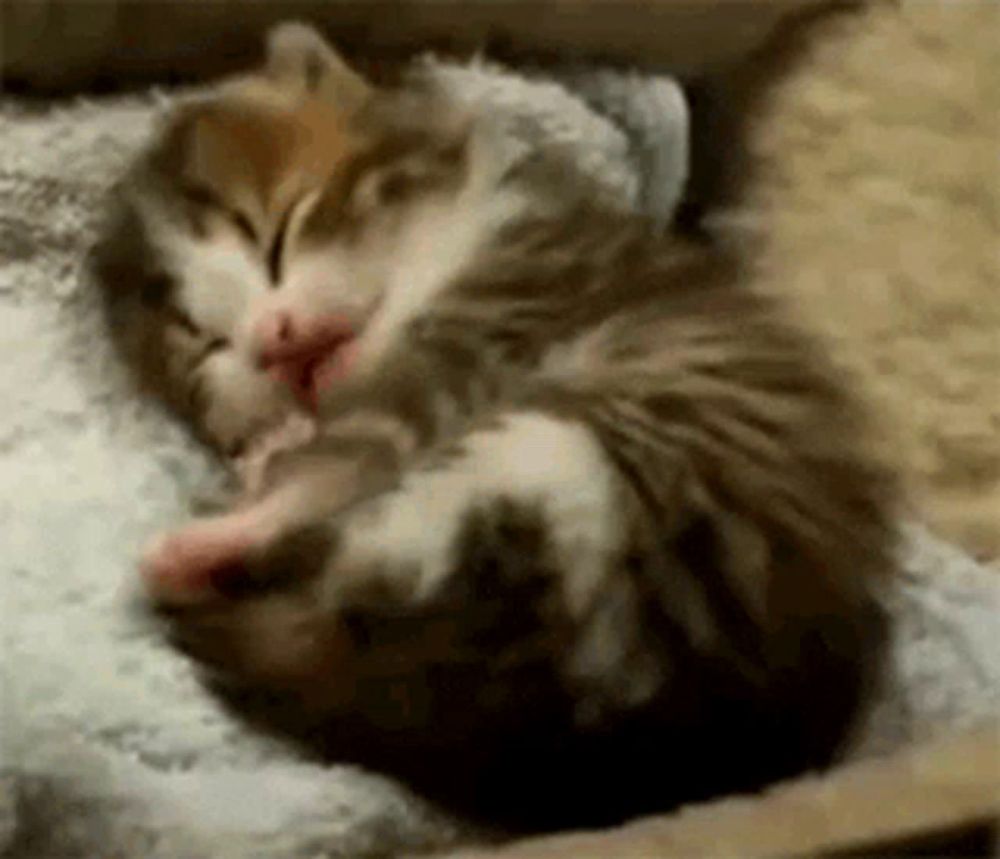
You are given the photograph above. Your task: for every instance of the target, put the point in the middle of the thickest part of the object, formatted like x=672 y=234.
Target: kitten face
x=280 y=231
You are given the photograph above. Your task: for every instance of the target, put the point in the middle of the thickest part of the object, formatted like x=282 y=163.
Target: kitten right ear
x=299 y=57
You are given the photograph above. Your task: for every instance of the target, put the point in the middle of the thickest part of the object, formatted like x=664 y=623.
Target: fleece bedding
x=108 y=744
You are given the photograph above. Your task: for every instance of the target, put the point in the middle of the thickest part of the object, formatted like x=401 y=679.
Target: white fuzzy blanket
x=108 y=745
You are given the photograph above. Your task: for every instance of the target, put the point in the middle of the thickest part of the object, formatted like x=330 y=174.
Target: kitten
x=585 y=529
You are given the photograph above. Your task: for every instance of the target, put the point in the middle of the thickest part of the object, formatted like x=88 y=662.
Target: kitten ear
x=298 y=56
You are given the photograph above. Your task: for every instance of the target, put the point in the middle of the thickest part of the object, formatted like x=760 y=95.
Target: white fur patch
x=243 y=400
x=218 y=284
x=440 y=240
x=217 y=279
x=331 y=281
x=533 y=458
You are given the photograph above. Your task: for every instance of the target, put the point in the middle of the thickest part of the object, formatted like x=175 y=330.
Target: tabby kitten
x=584 y=530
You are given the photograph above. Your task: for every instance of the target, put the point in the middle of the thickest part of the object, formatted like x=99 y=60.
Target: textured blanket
x=108 y=745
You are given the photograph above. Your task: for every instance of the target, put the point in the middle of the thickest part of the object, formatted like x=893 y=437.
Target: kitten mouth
x=309 y=373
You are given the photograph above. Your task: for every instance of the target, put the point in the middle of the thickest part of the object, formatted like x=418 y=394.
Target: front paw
x=189 y=565
x=252 y=614
x=233 y=555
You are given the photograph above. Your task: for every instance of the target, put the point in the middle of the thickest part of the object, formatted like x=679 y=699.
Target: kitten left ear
x=298 y=56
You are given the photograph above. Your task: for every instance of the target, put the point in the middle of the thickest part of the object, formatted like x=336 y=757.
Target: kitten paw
x=233 y=556
x=193 y=563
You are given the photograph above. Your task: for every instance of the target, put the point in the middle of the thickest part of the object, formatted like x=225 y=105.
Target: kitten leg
x=194 y=563
x=527 y=456
x=190 y=563
x=524 y=522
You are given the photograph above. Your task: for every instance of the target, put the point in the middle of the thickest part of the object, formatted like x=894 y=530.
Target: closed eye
x=180 y=318
x=216 y=344
x=274 y=253
x=210 y=346
x=243 y=224
x=197 y=392
x=206 y=198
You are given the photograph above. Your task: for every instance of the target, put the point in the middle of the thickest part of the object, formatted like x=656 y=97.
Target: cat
x=582 y=529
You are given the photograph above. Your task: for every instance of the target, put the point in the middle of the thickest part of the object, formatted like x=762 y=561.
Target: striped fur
x=590 y=530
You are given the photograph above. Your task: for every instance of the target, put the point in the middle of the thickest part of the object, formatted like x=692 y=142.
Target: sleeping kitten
x=585 y=529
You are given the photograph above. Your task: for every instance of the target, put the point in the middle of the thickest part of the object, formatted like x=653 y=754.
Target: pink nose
x=280 y=336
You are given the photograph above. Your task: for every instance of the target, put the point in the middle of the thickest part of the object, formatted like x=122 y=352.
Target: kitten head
x=279 y=231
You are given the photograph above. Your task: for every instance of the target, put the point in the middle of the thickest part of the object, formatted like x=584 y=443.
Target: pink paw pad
x=187 y=565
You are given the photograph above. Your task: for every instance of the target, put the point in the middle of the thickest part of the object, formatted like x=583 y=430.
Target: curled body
x=582 y=529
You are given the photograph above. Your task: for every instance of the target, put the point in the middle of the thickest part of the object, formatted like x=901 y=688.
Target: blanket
x=108 y=744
